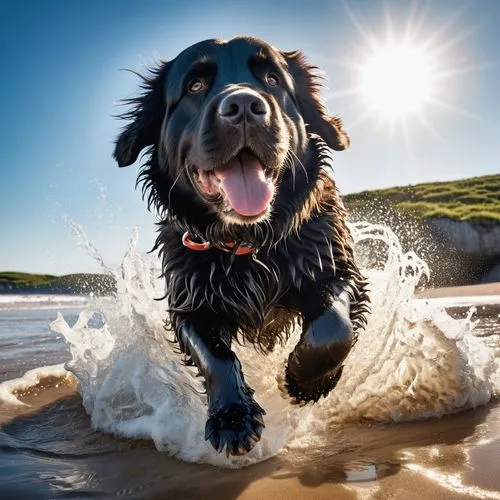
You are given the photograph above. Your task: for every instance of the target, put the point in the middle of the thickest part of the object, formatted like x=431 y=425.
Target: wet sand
x=456 y=456
x=452 y=457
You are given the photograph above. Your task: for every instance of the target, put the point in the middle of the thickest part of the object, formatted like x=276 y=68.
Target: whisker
x=302 y=165
x=293 y=168
x=174 y=183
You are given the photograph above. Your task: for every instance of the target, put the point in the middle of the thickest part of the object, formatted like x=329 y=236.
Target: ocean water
x=414 y=361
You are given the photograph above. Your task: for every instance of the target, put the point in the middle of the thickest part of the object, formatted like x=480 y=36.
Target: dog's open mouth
x=244 y=184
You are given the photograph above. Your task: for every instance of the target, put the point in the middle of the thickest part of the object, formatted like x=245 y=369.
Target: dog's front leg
x=315 y=365
x=235 y=420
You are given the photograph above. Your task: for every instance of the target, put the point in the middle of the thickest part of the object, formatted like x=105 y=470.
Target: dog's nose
x=243 y=104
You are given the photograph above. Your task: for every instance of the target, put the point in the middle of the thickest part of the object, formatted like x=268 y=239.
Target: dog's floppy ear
x=146 y=114
x=314 y=112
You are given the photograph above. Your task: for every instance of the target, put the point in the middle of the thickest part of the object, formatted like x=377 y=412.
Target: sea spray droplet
x=412 y=361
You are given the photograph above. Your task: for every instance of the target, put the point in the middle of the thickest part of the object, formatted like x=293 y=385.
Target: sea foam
x=11 y=302
x=413 y=361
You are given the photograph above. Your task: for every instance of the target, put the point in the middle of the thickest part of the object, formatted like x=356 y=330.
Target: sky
x=62 y=78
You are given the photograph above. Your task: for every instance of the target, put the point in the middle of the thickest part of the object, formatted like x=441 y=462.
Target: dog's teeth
x=213 y=178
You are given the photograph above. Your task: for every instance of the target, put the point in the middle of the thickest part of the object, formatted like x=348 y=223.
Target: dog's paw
x=305 y=391
x=236 y=427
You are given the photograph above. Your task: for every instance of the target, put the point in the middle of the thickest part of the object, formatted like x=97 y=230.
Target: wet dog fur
x=301 y=272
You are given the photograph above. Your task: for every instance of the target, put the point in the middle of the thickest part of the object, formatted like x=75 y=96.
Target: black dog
x=252 y=233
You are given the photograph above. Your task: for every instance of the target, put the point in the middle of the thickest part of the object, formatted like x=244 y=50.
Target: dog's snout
x=243 y=105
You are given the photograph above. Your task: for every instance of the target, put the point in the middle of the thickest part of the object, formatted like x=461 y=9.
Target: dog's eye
x=196 y=85
x=272 y=80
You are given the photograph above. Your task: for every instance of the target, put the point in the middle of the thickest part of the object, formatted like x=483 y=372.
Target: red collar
x=229 y=246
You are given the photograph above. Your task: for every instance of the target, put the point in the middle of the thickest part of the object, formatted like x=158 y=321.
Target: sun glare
x=396 y=80
x=404 y=73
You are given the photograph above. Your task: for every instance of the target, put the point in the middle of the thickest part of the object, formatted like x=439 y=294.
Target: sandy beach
x=455 y=456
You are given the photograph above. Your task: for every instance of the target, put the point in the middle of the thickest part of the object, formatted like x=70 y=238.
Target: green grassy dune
x=477 y=198
x=26 y=279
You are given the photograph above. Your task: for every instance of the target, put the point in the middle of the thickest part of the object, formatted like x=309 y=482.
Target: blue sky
x=60 y=83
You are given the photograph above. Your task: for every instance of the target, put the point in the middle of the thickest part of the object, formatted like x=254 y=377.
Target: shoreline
x=456 y=456
x=448 y=291
x=452 y=457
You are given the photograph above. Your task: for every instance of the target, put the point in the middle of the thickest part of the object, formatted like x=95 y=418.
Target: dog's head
x=226 y=124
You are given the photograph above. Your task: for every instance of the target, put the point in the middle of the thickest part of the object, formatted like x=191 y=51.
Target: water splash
x=413 y=361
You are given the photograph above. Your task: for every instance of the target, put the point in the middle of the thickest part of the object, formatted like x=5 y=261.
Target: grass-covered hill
x=79 y=283
x=26 y=279
x=474 y=199
x=454 y=226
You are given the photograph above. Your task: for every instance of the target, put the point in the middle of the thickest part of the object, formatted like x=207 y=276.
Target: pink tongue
x=245 y=184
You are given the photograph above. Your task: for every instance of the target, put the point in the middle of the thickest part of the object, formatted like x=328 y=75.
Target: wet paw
x=304 y=391
x=236 y=427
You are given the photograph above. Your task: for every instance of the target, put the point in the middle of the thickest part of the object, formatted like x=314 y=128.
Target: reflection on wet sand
x=53 y=452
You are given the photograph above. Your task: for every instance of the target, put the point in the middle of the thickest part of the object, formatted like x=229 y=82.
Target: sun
x=403 y=72
x=396 y=80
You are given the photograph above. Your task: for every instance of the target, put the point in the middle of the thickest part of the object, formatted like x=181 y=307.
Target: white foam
x=30 y=379
x=9 y=302
x=413 y=361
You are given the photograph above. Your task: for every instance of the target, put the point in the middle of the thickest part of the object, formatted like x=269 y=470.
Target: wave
x=32 y=378
x=10 y=302
x=413 y=361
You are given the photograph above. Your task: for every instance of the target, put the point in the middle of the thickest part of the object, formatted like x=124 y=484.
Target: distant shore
x=482 y=289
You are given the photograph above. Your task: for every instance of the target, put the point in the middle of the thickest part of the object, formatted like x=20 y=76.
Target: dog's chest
x=258 y=282
x=246 y=288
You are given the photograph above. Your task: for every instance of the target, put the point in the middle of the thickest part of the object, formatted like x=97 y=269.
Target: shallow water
x=26 y=340
x=50 y=450
x=413 y=362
